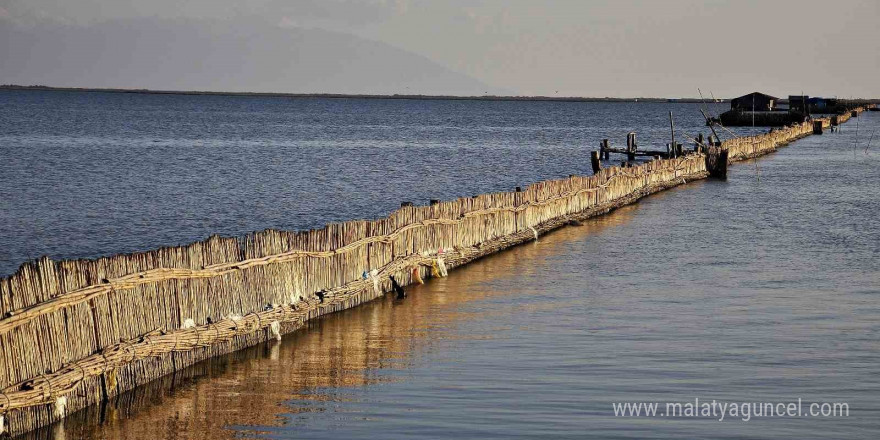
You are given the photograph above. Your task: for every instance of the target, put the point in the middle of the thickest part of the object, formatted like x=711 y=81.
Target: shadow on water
x=269 y=384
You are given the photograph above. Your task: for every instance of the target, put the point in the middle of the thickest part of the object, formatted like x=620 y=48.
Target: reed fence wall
x=746 y=147
x=77 y=332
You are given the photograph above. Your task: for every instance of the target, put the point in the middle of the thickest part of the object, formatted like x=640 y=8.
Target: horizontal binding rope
x=51 y=386
x=78 y=296
x=403 y=240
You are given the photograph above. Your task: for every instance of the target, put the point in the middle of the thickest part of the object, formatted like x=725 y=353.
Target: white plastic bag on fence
x=60 y=406
x=441 y=266
x=374 y=274
x=275 y=329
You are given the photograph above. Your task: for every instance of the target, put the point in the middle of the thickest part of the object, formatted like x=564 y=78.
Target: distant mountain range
x=201 y=56
x=485 y=97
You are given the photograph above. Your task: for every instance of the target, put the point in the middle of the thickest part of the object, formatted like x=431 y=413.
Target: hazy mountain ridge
x=198 y=55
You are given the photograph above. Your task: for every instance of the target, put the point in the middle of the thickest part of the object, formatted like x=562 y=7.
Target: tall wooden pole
x=711 y=125
x=594 y=160
x=672 y=129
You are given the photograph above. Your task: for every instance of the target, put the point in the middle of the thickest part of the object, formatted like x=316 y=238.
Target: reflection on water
x=308 y=371
x=763 y=288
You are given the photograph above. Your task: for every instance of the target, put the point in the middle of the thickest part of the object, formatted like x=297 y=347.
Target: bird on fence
x=401 y=294
x=321 y=296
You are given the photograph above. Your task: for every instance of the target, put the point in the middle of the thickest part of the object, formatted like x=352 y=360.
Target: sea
x=763 y=289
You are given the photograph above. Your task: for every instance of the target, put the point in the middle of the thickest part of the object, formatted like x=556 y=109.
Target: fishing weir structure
x=76 y=333
x=761 y=110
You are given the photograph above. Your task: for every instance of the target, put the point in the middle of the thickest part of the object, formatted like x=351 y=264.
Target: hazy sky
x=572 y=48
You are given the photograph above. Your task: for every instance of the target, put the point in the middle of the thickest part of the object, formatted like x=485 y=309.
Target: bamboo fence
x=78 y=332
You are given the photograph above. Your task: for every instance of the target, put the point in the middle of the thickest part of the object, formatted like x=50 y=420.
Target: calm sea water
x=763 y=288
x=93 y=174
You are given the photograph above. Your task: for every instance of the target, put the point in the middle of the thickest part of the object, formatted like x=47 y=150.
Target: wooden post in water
x=604 y=149
x=722 y=167
x=854 y=114
x=716 y=163
x=594 y=159
x=672 y=130
x=817 y=127
x=631 y=146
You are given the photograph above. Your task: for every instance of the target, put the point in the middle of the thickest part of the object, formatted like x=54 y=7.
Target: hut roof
x=756 y=94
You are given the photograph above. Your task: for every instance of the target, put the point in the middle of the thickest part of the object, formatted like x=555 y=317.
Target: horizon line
x=485 y=97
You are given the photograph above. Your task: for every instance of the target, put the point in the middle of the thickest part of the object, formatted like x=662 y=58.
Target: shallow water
x=763 y=288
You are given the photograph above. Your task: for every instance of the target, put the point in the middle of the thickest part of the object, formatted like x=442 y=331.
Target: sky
x=619 y=48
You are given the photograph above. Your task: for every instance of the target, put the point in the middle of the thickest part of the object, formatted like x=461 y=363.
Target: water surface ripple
x=761 y=288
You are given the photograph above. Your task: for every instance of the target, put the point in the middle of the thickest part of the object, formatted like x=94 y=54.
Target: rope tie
x=48 y=392
x=259 y=320
x=235 y=320
x=216 y=331
x=106 y=361
x=148 y=340
x=133 y=350
x=81 y=370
